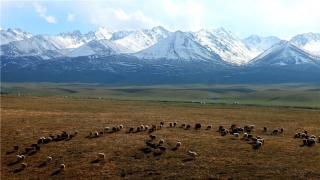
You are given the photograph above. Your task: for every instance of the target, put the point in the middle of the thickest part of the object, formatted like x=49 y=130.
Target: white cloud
x=42 y=12
x=71 y=17
x=118 y=19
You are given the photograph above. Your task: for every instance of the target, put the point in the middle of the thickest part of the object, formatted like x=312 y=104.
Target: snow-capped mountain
x=177 y=46
x=13 y=35
x=309 y=42
x=142 y=39
x=260 y=44
x=284 y=53
x=227 y=45
x=100 y=33
x=98 y=47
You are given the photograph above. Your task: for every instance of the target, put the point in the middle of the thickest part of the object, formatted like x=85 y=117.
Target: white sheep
x=96 y=133
x=183 y=125
x=141 y=127
x=178 y=144
x=209 y=126
x=146 y=127
x=62 y=167
x=161 y=141
x=49 y=159
x=76 y=132
x=20 y=157
x=236 y=134
x=24 y=165
x=101 y=155
x=105 y=129
x=245 y=135
x=259 y=144
x=192 y=154
x=312 y=137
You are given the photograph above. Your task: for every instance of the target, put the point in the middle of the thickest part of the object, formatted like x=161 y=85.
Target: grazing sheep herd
x=236 y=131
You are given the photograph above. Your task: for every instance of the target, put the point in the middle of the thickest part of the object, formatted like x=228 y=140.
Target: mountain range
x=155 y=54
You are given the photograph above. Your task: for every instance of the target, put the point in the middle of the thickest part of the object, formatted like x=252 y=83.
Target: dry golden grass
x=25 y=119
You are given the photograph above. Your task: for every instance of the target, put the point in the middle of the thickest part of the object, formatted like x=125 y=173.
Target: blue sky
x=282 y=18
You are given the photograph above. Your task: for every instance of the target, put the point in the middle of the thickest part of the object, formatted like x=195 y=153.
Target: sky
x=281 y=18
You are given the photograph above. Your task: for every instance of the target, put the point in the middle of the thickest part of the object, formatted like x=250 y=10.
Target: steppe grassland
x=26 y=118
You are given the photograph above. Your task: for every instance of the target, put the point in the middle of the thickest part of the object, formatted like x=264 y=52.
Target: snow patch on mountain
x=227 y=45
x=177 y=46
x=13 y=35
x=309 y=42
x=142 y=39
x=98 y=47
x=259 y=44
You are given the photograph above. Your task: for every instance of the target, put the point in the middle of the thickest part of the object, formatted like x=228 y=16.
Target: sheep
x=183 y=125
x=24 y=165
x=235 y=130
x=296 y=135
x=106 y=129
x=312 y=137
x=249 y=136
x=76 y=132
x=141 y=127
x=197 y=126
x=171 y=124
x=259 y=144
x=306 y=132
x=236 y=134
x=260 y=140
x=62 y=167
x=161 y=141
x=161 y=124
x=319 y=139
x=28 y=149
x=40 y=141
x=265 y=129
x=162 y=148
x=16 y=148
x=131 y=129
x=120 y=126
x=96 y=134
x=303 y=135
x=174 y=124
x=311 y=142
x=49 y=159
x=152 y=137
x=138 y=129
x=51 y=136
x=19 y=158
x=192 y=154
x=178 y=144
x=37 y=148
x=220 y=128
x=47 y=140
x=114 y=128
x=154 y=146
x=275 y=131
x=281 y=130
x=233 y=126
x=245 y=135
x=188 y=126
x=101 y=155
x=305 y=141
x=146 y=127
x=101 y=133
x=209 y=126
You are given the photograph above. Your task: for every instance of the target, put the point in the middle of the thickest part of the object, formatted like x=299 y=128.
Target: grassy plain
x=26 y=118
x=304 y=95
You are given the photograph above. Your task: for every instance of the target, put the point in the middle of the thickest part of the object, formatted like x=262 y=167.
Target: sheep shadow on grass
x=18 y=170
x=146 y=150
x=32 y=153
x=187 y=160
x=10 y=152
x=157 y=153
x=56 y=172
x=174 y=149
x=13 y=163
x=42 y=164
x=95 y=161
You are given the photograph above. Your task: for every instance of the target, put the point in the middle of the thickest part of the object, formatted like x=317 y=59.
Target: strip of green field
x=283 y=95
